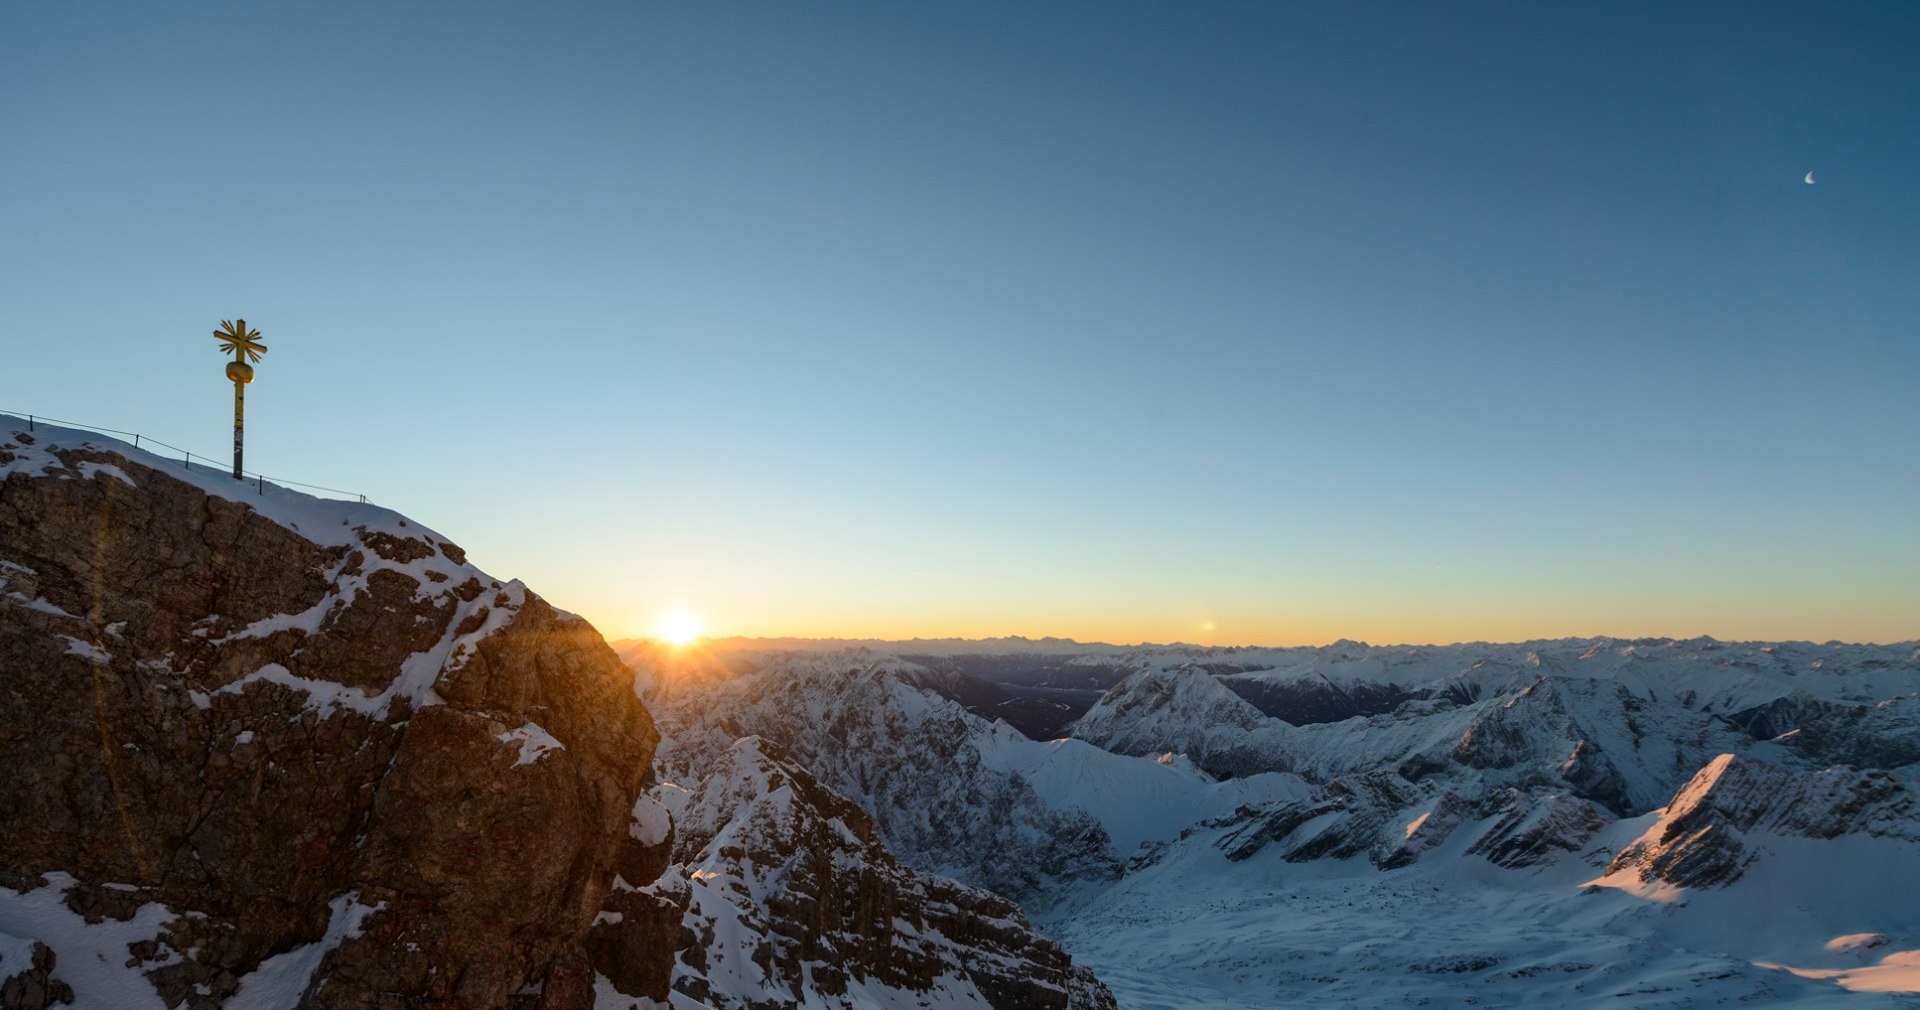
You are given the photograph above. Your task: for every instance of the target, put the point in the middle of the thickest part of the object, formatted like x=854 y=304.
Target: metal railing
x=186 y=458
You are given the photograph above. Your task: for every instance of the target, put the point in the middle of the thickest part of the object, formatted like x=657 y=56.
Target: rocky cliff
x=266 y=750
x=1722 y=820
x=782 y=894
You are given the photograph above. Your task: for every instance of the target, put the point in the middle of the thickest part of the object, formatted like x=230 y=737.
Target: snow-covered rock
x=788 y=897
x=1184 y=710
x=914 y=760
x=948 y=790
x=1721 y=821
x=1529 y=831
x=1886 y=735
x=1609 y=740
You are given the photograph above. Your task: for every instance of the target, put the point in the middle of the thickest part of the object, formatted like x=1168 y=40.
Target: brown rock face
x=292 y=722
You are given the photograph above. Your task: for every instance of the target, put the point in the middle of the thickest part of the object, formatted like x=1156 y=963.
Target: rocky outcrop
x=1530 y=830
x=1597 y=739
x=32 y=985
x=1776 y=716
x=638 y=931
x=1886 y=735
x=788 y=897
x=1423 y=833
x=1712 y=831
x=279 y=725
x=1351 y=816
x=1394 y=823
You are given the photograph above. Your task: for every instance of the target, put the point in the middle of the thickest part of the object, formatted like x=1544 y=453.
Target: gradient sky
x=1225 y=323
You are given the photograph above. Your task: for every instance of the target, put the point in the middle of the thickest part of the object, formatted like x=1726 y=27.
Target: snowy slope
x=1135 y=801
x=950 y=791
x=1196 y=927
x=789 y=899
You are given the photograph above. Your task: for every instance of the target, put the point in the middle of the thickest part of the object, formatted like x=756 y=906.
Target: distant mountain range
x=1659 y=821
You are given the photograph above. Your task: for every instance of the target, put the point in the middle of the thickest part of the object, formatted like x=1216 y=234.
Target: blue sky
x=1235 y=323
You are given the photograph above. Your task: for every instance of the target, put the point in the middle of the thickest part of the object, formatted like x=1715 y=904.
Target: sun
x=677 y=627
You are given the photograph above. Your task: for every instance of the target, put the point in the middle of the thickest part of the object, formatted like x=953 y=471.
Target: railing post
x=29 y=422
x=262 y=487
x=136 y=440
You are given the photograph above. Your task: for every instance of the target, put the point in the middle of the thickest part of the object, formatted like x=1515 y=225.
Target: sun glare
x=677 y=627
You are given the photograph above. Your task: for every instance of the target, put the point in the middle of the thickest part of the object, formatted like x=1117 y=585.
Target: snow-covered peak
x=1721 y=676
x=1716 y=824
x=1184 y=709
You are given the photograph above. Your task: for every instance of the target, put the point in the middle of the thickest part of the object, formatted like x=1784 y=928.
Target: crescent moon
x=1809 y=178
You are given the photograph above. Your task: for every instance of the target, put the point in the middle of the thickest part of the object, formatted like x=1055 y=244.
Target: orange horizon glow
x=1304 y=610
x=1429 y=632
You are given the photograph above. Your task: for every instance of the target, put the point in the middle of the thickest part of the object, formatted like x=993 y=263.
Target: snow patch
x=87 y=650
x=90 y=470
x=323 y=696
x=650 y=823
x=1897 y=972
x=279 y=981
x=90 y=958
x=39 y=604
x=535 y=743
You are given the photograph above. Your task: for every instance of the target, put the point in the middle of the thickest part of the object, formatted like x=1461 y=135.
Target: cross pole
x=244 y=344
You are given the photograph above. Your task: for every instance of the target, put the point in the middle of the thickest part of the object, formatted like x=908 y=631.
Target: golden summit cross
x=243 y=344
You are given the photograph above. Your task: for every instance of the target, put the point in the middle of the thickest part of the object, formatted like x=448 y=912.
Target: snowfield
x=1198 y=931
